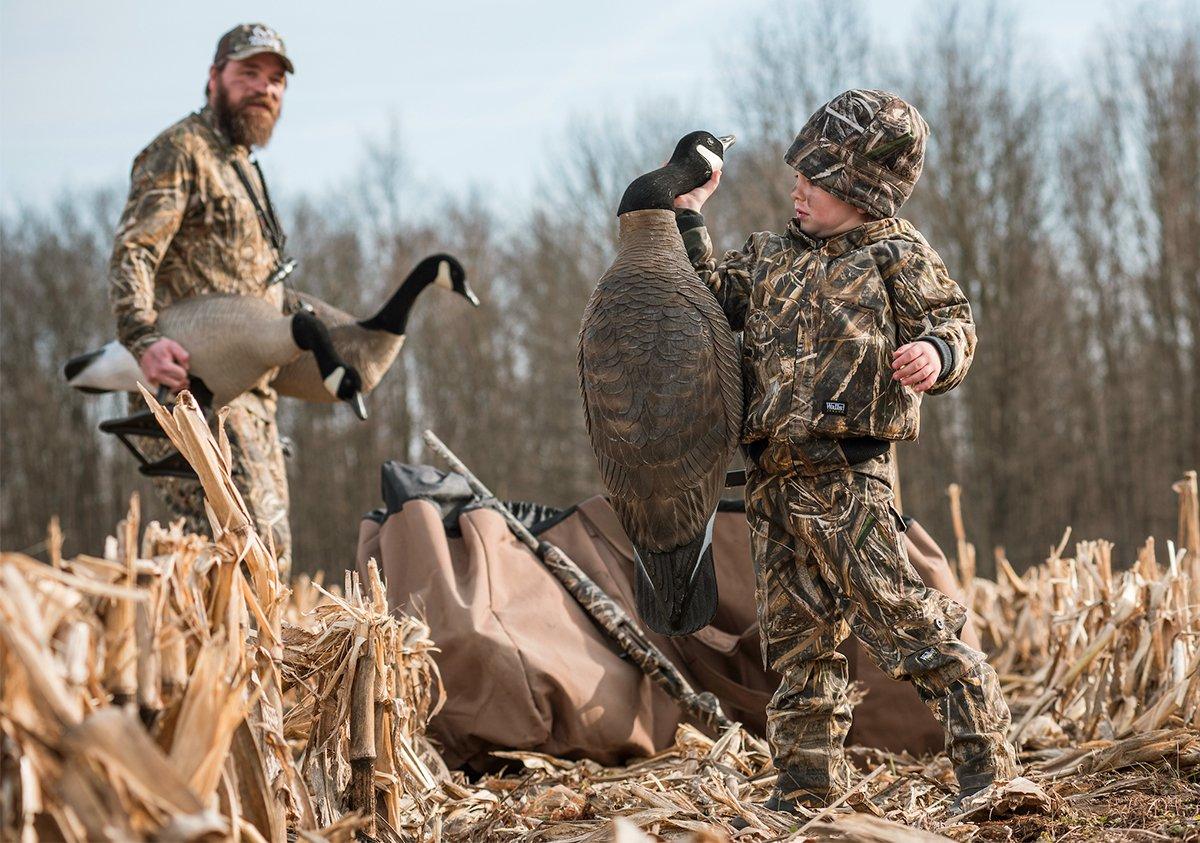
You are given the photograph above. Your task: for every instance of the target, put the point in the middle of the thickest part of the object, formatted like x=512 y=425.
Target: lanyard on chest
x=268 y=221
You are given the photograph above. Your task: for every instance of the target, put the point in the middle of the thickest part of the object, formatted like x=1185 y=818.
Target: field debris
x=173 y=688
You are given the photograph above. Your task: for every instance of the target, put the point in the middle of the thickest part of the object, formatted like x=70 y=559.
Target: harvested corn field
x=173 y=688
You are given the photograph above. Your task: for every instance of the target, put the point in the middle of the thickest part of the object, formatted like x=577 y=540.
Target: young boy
x=847 y=319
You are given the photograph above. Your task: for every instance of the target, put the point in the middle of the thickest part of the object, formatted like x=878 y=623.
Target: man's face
x=821 y=214
x=247 y=97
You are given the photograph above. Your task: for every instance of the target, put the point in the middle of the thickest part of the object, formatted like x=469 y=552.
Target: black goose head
x=441 y=270
x=696 y=157
x=341 y=380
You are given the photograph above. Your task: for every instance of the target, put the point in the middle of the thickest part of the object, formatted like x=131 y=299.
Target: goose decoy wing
x=662 y=400
x=327 y=313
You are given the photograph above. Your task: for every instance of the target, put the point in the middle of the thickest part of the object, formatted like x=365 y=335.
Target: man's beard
x=246 y=126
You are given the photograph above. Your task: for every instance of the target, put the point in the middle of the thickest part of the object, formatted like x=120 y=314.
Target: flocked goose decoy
x=370 y=345
x=662 y=393
x=233 y=342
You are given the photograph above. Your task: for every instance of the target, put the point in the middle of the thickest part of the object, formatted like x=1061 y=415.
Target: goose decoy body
x=233 y=343
x=370 y=345
x=662 y=393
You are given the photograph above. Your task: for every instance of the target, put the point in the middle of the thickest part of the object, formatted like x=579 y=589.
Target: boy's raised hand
x=916 y=365
x=694 y=200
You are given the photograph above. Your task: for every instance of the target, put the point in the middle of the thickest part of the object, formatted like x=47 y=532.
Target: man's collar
x=209 y=118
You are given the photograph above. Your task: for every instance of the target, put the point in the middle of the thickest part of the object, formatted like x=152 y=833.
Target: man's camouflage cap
x=250 y=39
x=866 y=147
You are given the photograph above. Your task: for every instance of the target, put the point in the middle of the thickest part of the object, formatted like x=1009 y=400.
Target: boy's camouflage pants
x=829 y=560
x=258 y=472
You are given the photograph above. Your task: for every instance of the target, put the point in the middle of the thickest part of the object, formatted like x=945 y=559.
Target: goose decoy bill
x=662 y=393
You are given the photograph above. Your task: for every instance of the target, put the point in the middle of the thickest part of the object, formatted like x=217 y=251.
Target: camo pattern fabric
x=866 y=147
x=258 y=472
x=189 y=228
x=820 y=320
x=829 y=561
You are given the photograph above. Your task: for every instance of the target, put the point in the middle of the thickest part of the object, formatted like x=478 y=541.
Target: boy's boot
x=976 y=719
x=794 y=788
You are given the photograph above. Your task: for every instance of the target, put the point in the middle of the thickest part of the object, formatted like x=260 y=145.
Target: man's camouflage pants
x=258 y=472
x=828 y=560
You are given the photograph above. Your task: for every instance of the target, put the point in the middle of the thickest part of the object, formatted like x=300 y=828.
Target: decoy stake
x=605 y=611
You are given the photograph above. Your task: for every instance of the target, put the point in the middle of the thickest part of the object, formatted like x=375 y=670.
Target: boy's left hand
x=916 y=365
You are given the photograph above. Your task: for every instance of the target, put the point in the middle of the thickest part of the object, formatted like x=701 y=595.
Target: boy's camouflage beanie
x=865 y=147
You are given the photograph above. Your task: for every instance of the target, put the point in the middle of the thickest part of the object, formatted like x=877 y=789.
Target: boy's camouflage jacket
x=820 y=320
x=189 y=228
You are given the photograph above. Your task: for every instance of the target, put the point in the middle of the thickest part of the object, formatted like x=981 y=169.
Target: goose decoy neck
x=657 y=190
x=695 y=158
x=441 y=269
x=653 y=228
x=393 y=316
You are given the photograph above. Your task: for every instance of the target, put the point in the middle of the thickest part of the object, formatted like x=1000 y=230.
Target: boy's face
x=822 y=214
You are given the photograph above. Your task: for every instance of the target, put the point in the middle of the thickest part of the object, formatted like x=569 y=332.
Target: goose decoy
x=662 y=393
x=233 y=342
x=370 y=345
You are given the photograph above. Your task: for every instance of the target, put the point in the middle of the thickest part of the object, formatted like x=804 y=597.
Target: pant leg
x=183 y=498
x=801 y=625
x=911 y=631
x=260 y=474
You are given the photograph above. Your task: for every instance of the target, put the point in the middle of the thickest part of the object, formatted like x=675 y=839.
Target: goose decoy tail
x=676 y=591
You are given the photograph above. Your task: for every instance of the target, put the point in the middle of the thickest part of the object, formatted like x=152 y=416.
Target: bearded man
x=199 y=221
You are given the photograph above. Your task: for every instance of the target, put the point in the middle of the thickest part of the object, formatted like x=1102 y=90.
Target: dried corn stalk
x=254 y=713
x=142 y=694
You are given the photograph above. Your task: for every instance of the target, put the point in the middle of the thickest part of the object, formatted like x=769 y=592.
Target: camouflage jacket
x=819 y=322
x=189 y=228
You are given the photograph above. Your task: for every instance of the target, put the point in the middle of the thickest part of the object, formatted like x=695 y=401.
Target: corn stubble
x=175 y=689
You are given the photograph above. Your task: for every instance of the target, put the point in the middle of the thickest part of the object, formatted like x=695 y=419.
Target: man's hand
x=694 y=200
x=165 y=363
x=916 y=365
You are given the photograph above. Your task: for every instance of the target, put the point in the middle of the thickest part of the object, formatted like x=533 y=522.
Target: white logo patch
x=261 y=36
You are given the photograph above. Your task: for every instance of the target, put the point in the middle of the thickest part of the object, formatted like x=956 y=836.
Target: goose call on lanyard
x=284 y=266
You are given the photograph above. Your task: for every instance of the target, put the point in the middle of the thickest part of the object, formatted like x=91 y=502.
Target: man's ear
x=212 y=80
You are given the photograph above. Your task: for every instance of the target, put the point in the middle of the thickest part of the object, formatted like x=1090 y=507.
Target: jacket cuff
x=142 y=339
x=695 y=237
x=687 y=219
x=945 y=352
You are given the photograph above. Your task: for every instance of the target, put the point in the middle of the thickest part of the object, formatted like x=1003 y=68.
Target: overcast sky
x=480 y=90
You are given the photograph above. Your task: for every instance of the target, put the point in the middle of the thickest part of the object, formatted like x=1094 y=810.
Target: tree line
x=1067 y=205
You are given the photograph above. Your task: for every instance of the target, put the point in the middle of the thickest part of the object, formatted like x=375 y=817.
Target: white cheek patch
x=443 y=275
x=334 y=381
x=714 y=161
